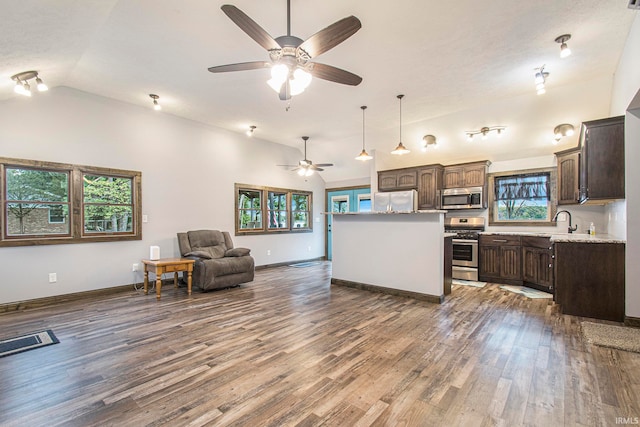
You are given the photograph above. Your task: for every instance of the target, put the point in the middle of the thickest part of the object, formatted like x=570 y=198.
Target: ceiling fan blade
x=331 y=36
x=333 y=74
x=289 y=166
x=324 y=165
x=250 y=27
x=316 y=168
x=241 y=66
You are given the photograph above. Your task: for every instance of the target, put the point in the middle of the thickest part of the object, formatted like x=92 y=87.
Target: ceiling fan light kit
x=290 y=57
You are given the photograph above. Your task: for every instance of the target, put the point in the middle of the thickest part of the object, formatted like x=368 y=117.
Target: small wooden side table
x=167 y=265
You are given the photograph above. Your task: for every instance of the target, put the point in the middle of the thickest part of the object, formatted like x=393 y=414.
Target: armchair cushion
x=199 y=254
x=238 y=252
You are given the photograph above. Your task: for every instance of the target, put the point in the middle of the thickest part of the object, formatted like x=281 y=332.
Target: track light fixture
x=561 y=131
x=564 y=49
x=156 y=105
x=429 y=141
x=400 y=149
x=22 y=86
x=250 y=130
x=540 y=79
x=363 y=156
x=484 y=131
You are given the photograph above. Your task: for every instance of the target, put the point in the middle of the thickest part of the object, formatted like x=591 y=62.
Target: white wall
x=188 y=175
x=626 y=85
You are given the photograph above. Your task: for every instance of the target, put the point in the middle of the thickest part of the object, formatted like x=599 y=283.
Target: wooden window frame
x=264 y=229
x=76 y=222
x=552 y=203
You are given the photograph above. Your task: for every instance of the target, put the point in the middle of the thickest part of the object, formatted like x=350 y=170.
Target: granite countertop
x=560 y=237
x=428 y=211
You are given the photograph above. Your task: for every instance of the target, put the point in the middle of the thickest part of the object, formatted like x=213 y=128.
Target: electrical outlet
x=53 y=277
x=145 y=218
x=134 y=267
x=268 y=251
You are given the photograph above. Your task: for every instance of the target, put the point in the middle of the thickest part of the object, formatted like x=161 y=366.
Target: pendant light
x=363 y=155
x=400 y=149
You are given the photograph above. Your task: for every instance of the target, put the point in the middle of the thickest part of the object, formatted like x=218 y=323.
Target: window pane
x=522 y=197
x=364 y=205
x=107 y=189
x=522 y=210
x=108 y=219
x=278 y=219
x=301 y=220
x=249 y=209
x=33 y=219
x=250 y=218
x=37 y=185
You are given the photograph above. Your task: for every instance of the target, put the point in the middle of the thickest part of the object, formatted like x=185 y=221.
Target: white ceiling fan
x=306 y=167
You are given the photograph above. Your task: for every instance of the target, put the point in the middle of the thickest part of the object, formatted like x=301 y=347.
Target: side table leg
x=175 y=280
x=158 y=284
x=146 y=280
x=189 y=282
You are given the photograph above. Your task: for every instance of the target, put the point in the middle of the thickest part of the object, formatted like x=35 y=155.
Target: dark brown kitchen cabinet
x=397 y=179
x=429 y=185
x=500 y=259
x=589 y=279
x=537 y=263
x=568 y=162
x=602 y=160
x=465 y=175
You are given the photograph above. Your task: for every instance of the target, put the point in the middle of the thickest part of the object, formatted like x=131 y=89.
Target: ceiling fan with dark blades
x=306 y=167
x=290 y=57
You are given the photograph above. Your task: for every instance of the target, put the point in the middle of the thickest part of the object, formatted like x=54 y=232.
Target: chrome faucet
x=555 y=219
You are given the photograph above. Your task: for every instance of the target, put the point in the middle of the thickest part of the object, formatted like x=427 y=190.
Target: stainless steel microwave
x=462 y=198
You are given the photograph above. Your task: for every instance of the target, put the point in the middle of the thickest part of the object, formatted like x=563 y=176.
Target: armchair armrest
x=198 y=254
x=237 y=252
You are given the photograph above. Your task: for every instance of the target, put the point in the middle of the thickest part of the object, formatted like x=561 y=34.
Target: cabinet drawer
x=498 y=239
x=176 y=267
x=536 y=242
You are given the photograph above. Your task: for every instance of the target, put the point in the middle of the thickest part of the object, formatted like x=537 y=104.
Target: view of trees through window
x=283 y=210
x=55 y=203
x=522 y=197
x=30 y=196
x=108 y=204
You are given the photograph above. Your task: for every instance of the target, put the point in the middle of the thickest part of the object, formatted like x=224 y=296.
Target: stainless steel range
x=465 y=245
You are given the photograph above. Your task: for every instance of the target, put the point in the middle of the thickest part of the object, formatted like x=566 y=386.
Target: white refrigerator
x=396 y=201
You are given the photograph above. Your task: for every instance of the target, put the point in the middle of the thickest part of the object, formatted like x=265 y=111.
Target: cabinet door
x=453 y=177
x=510 y=267
x=603 y=159
x=474 y=175
x=429 y=183
x=407 y=179
x=537 y=267
x=387 y=181
x=488 y=261
x=530 y=264
x=568 y=178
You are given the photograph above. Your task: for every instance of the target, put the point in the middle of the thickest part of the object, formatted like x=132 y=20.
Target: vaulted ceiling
x=461 y=65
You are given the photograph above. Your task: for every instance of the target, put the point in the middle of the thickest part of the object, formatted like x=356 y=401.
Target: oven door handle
x=465 y=241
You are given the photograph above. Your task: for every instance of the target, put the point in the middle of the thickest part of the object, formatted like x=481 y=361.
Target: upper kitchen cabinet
x=568 y=176
x=429 y=185
x=602 y=160
x=397 y=179
x=465 y=175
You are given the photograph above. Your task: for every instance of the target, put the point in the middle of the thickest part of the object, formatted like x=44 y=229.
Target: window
x=53 y=203
x=249 y=209
x=340 y=204
x=364 y=202
x=107 y=204
x=300 y=213
x=522 y=197
x=283 y=210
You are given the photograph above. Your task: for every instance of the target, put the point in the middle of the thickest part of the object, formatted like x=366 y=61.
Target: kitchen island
x=400 y=253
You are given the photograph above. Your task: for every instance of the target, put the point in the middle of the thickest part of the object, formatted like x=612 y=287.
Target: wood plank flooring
x=289 y=349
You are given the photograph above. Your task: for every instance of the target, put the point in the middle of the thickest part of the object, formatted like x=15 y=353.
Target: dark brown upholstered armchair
x=218 y=264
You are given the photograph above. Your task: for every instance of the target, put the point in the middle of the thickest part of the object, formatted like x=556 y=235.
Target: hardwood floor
x=289 y=349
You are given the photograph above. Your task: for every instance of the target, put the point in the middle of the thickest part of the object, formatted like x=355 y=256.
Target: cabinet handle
x=550 y=265
x=500 y=240
x=553 y=256
x=550 y=247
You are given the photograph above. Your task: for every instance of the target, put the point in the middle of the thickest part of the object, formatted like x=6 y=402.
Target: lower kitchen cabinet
x=499 y=259
x=537 y=263
x=589 y=279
